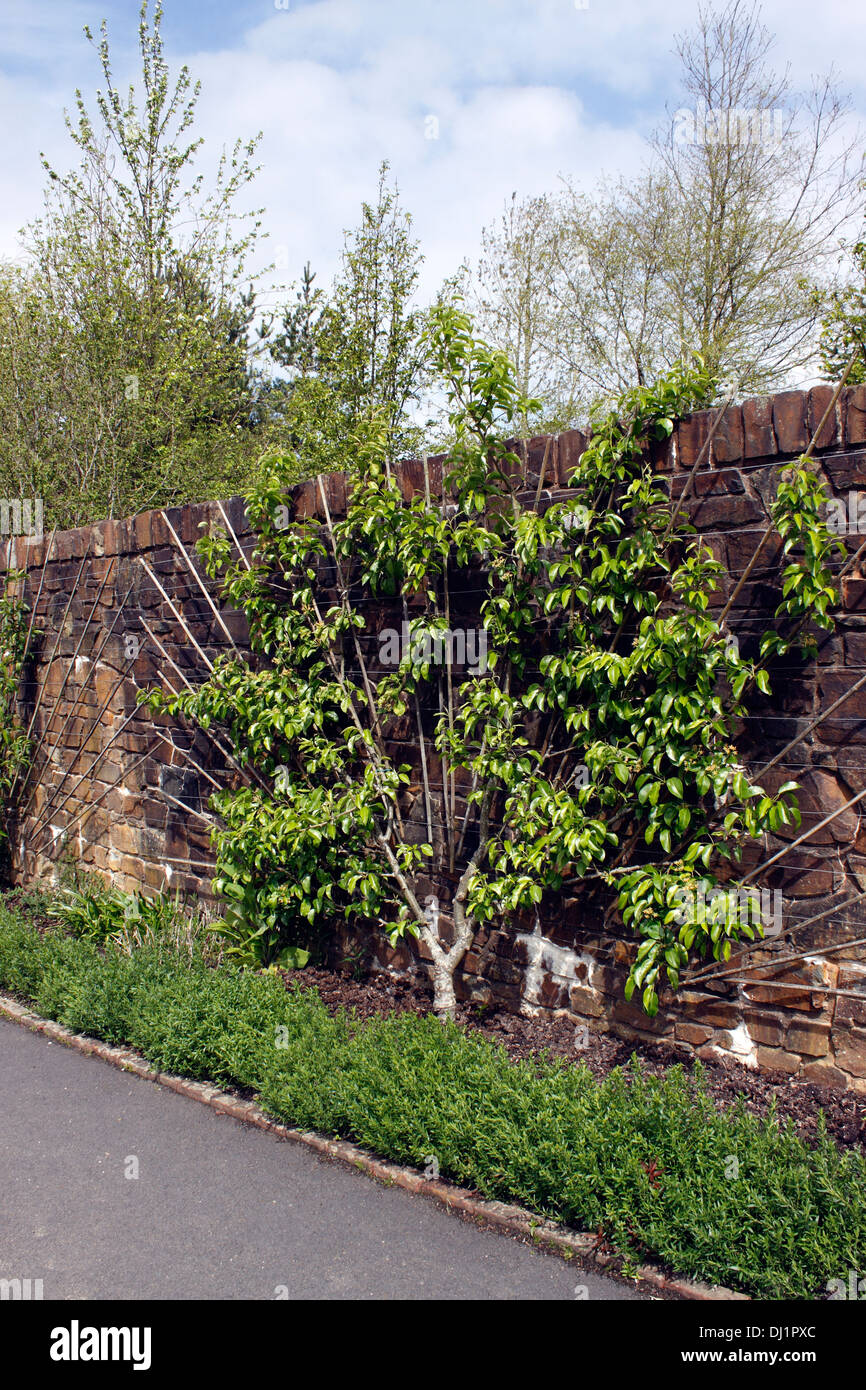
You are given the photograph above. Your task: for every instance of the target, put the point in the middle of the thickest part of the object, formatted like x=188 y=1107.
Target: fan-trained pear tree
x=593 y=745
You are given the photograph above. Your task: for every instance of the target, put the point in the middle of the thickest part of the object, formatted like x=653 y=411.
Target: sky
x=469 y=100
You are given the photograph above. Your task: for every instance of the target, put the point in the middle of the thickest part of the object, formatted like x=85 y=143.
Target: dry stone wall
x=126 y=795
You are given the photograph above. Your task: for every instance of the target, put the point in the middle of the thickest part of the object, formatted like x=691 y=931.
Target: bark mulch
x=726 y=1081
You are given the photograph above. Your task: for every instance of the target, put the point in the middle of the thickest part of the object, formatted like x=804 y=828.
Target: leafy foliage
x=843 y=328
x=356 y=355
x=714 y=246
x=90 y=911
x=126 y=377
x=595 y=747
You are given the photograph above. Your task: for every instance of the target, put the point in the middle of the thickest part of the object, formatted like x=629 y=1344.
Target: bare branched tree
x=715 y=248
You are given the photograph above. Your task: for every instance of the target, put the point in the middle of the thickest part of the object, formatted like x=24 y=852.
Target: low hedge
x=724 y=1197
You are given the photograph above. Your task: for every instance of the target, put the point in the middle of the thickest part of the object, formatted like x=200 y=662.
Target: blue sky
x=522 y=92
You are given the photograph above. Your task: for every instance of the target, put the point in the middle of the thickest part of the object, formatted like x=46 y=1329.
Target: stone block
x=819 y=399
x=789 y=421
x=728 y=440
x=776 y=1059
x=809 y=1039
x=850 y=1048
x=692 y=1033
x=710 y=512
x=759 y=437
x=572 y=443
x=853 y=409
x=691 y=435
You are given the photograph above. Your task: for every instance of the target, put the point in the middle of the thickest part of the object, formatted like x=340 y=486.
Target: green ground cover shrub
x=725 y=1197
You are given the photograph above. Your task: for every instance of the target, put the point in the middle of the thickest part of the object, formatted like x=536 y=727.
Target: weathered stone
x=662 y=454
x=821 y=795
x=728 y=441
x=850 y=1047
x=853 y=407
x=692 y=1033
x=824 y=1074
x=742 y=548
x=809 y=1039
x=710 y=512
x=802 y=875
x=848 y=723
x=410 y=477
x=716 y=1013
x=691 y=435
x=587 y=1002
x=760 y=441
x=844 y=473
x=820 y=398
x=776 y=1059
x=767 y=1032
x=572 y=444
x=716 y=482
x=789 y=421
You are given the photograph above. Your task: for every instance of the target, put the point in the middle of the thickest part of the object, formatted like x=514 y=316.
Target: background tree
x=127 y=378
x=516 y=296
x=714 y=248
x=843 y=327
x=356 y=357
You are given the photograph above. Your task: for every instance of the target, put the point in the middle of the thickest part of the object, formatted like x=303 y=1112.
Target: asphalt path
x=218 y=1209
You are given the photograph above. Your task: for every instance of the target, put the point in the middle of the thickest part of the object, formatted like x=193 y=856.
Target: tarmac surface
x=218 y=1209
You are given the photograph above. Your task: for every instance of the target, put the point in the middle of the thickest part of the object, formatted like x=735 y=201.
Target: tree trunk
x=447 y=958
x=444 y=998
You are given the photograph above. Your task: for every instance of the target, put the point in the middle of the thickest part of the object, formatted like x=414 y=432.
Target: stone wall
x=115 y=790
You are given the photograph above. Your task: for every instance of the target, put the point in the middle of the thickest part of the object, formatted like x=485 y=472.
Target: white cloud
x=523 y=90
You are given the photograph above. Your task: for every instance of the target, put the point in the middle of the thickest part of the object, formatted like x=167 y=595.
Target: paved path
x=219 y=1209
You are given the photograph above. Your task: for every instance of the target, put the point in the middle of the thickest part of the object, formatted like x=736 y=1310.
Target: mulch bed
x=726 y=1081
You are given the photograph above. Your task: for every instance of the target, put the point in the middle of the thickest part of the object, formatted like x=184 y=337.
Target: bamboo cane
x=214 y=738
x=94 y=663
x=69 y=671
x=803 y=988
x=807 y=835
x=11 y=793
x=39 y=592
x=776 y=963
x=233 y=536
x=704 y=971
x=194 y=572
x=97 y=760
x=178 y=615
x=91 y=806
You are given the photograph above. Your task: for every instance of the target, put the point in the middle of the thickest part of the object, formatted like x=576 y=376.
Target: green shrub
x=724 y=1197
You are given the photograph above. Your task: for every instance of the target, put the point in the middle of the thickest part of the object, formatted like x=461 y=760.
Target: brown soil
x=726 y=1081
